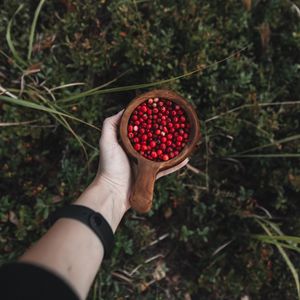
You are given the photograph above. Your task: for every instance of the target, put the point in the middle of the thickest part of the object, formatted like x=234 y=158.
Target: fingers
x=109 y=129
x=173 y=169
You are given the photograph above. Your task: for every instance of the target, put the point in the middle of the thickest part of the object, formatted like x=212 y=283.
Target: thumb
x=109 y=129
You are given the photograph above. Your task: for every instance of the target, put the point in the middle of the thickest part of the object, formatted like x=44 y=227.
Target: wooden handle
x=142 y=192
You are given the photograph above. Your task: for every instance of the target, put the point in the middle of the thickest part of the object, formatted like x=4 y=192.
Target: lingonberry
x=158 y=129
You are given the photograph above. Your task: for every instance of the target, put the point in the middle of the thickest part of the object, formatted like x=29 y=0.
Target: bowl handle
x=143 y=187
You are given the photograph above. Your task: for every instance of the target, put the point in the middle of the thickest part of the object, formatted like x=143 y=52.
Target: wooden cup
x=145 y=170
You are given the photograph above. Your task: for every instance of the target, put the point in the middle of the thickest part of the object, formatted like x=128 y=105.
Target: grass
x=49 y=117
x=270 y=228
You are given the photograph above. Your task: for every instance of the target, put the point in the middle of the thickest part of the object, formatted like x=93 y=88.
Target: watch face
x=96 y=219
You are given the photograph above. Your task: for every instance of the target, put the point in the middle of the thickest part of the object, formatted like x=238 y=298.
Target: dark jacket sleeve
x=22 y=281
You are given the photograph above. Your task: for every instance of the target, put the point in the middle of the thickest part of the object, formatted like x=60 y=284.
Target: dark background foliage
x=199 y=209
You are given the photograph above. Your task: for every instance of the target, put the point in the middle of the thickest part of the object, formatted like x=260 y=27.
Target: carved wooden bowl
x=145 y=170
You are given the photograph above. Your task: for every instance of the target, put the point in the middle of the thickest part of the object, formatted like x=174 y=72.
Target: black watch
x=92 y=219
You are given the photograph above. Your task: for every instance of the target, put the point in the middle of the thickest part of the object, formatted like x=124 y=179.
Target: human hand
x=114 y=165
x=110 y=191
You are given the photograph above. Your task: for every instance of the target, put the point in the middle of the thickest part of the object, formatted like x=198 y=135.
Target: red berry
x=179 y=138
x=144 y=137
x=144 y=148
x=159 y=152
x=150 y=101
x=163 y=139
x=135 y=128
x=155 y=110
x=137 y=147
x=152 y=144
x=165 y=157
x=130 y=135
x=154 y=154
x=169 y=136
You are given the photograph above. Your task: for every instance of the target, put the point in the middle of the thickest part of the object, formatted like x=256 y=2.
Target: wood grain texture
x=145 y=170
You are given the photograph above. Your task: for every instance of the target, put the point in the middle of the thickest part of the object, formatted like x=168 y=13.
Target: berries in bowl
x=158 y=130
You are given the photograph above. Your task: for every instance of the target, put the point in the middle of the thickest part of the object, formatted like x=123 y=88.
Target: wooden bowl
x=145 y=170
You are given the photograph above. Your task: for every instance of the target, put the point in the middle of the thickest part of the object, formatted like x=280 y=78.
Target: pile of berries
x=158 y=129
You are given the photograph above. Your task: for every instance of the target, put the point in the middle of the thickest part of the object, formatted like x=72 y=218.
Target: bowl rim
x=168 y=95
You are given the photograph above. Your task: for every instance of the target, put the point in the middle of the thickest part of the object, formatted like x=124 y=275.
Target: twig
x=154 y=258
x=193 y=169
x=122 y=277
x=162 y=237
x=221 y=247
x=146 y=262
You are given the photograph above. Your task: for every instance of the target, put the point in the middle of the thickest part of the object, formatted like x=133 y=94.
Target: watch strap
x=90 y=218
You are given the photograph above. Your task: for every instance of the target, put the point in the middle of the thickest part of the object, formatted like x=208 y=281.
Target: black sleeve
x=22 y=281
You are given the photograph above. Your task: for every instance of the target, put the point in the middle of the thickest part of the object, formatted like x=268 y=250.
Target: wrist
x=105 y=199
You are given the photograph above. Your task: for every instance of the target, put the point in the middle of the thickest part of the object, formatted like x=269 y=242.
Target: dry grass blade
x=98 y=91
x=7 y=124
x=275 y=143
x=221 y=248
x=250 y=106
x=271 y=155
x=31 y=105
x=6 y=92
x=67 y=86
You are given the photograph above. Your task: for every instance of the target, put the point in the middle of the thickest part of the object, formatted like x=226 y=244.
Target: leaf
x=33 y=28
x=285 y=257
x=9 y=39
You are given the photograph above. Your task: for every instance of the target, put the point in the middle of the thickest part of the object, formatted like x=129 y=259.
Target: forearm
x=70 y=248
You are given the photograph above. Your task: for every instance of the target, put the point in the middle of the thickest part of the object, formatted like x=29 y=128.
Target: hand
x=114 y=165
x=110 y=191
